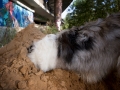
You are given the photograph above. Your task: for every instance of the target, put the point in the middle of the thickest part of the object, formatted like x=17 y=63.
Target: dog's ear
x=113 y=25
x=113 y=20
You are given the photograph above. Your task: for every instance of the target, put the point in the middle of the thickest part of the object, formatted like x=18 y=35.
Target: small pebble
x=22 y=85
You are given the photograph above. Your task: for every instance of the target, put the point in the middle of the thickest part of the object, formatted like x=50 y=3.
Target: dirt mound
x=17 y=72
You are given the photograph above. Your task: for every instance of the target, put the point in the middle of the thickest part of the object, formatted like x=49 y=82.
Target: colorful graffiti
x=14 y=15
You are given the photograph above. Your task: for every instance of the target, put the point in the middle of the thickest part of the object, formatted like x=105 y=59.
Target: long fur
x=91 y=50
x=44 y=53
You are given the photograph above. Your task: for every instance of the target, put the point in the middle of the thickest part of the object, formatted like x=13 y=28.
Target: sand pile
x=17 y=72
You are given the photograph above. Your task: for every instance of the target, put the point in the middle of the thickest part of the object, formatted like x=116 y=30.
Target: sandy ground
x=17 y=72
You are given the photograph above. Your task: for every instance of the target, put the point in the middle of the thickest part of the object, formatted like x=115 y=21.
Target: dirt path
x=17 y=72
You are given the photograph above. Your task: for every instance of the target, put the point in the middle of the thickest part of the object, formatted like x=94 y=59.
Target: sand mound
x=17 y=72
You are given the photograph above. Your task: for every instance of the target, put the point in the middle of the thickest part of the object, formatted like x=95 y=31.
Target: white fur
x=44 y=53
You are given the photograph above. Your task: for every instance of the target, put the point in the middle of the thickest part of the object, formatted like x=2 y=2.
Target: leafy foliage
x=51 y=30
x=88 y=10
x=6 y=35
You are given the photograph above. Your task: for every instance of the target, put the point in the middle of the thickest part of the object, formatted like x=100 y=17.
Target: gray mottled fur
x=92 y=50
x=96 y=63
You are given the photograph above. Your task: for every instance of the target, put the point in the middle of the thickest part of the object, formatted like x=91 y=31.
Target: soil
x=17 y=72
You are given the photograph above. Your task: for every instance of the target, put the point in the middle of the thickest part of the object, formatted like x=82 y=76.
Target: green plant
x=89 y=10
x=51 y=30
x=6 y=35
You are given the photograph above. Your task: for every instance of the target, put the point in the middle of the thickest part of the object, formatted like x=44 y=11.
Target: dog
x=92 y=50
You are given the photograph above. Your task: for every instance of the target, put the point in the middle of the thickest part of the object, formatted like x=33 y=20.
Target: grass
x=51 y=30
x=6 y=35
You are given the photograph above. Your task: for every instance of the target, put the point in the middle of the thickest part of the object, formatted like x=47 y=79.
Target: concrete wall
x=14 y=15
x=42 y=1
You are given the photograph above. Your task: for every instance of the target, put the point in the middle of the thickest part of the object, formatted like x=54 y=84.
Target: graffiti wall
x=14 y=15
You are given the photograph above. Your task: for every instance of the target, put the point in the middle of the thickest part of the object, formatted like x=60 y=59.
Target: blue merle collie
x=92 y=50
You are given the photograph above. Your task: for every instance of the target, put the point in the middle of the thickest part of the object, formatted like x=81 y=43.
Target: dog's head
x=91 y=36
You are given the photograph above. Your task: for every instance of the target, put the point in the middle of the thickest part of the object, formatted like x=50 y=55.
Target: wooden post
x=57 y=13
